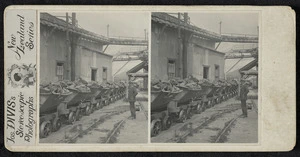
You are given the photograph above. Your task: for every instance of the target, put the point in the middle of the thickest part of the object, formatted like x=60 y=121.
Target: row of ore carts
x=66 y=108
x=168 y=107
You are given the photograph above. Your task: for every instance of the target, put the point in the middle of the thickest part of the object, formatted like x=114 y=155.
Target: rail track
x=189 y=129
x=225 y=129
x=81 y=133
x=111 y=135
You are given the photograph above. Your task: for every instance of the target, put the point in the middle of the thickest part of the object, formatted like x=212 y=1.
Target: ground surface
x=109 y=124
x=219 y=124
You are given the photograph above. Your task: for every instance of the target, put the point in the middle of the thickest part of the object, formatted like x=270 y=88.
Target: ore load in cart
x=78 y=102
x=51 y=96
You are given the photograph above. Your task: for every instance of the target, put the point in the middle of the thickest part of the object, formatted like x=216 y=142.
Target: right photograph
x=204 y=77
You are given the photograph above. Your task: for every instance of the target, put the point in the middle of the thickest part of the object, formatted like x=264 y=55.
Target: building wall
x=199 y=57
x=52 y=49
x=93 y=60
x=87 y=56
x=167 y=46
x=163 y=48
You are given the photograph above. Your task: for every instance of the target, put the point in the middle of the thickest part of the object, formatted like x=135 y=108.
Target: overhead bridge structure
x=242 y=53
x=239 y=38
x=128 y=41
x=130 y=56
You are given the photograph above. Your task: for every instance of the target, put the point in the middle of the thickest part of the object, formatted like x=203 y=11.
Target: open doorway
x=206 y=72
x=94 y=74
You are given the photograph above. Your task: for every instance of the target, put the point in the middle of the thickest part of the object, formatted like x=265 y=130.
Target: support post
x=73 y=47
x=68 y=47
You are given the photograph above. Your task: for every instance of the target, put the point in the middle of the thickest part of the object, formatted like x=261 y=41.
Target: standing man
x=132 y=92
x=243 y=96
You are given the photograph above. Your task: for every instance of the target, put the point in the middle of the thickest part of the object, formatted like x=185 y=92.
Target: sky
x=133 y=25
x=232 y=23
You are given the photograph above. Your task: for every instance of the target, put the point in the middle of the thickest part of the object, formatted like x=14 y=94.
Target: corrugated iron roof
x=52 y=21
x=176 y=23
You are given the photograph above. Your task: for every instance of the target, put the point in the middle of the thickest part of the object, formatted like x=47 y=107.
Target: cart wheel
x=98 y=106
x=45 y=129
x=213 y=102
x=71 y=118
x=199 y=108
x=56 y=124
x=189 y=113
x=209 y=104
x=87 y=110
x=92 y=108
x=166 y=123
x=182 y=116
x=77 y=114
x=155 y=127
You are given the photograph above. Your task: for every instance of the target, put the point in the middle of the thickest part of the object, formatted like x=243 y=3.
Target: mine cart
x=76 y=104
x=184 y=103
x=98 y=97
x=106 y=95
x=118 y=92
x=160 y=102
x=113 y=94
x=218 y=94
x=203 y=95
x=226 y=92
x=49 y=119
x=231 y=91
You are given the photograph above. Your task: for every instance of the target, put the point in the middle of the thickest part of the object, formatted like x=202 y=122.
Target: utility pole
x=73 y=73
x=108 y=30
x=68 y=47
x=220 y=27
x=185 y=47
x=178 y=69
x=145 y=34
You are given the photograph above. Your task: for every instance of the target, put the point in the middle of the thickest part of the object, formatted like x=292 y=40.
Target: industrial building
x=179 y=49
x=68 y=52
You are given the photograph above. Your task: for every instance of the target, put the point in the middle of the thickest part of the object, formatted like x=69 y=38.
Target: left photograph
x=93 y=77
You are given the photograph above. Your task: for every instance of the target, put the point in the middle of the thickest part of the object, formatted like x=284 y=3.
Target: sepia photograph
x=149 y=78
x=93 y=84
x=204 y=77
